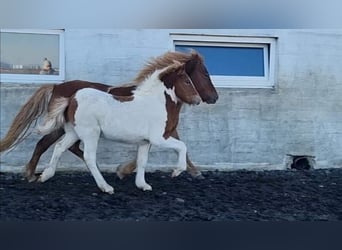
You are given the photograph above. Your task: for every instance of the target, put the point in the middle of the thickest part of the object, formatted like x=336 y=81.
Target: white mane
x=153 y=83
x=150 y=84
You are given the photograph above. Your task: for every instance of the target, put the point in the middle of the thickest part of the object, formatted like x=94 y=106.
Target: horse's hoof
x=107 y=189
x=32 y=178
x=110 y=192
x=176 y=173
x=120 y=175
x=40 y=179
x=120 y=171
x=145 y=187
x=43 y=178
x=198 y=177
x=47 y=174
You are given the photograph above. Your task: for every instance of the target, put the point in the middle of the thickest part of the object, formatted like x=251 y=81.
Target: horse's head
x=200 y=77
x=175 y=76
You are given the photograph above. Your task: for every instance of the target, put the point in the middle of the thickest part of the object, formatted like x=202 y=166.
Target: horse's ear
x=181 y=69
x=176 y=66
x=195 y=56
x=190 y=64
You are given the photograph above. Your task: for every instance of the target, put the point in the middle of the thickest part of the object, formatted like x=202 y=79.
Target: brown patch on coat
x=123 y=98
x=67 y=89
x=123 y=93
x=173 y=110
x=122 y=90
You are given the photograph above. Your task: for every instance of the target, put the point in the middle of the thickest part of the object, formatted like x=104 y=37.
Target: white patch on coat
x=172 y=94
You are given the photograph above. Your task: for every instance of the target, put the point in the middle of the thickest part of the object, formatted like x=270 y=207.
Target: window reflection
x=26 y=53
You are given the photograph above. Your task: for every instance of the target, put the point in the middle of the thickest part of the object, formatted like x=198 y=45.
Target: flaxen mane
x=163 y=61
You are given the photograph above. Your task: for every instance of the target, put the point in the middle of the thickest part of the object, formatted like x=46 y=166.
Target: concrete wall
x=246 y=127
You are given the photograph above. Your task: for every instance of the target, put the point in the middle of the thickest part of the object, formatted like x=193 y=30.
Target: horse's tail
x=28 y=114
x=55 y=116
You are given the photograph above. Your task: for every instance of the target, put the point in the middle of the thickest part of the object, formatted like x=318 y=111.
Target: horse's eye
x=188 y=81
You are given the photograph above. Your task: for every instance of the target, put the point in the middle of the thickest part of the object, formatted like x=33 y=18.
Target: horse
x=47 y=95
x=142 y=118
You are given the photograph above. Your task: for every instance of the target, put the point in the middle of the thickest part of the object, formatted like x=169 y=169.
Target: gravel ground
x=288 y=195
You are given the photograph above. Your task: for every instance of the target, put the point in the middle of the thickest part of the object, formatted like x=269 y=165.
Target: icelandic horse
x=46 y=96
x=143 y=118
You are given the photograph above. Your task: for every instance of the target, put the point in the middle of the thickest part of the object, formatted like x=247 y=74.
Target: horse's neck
x=173 y=109
x=152 y=86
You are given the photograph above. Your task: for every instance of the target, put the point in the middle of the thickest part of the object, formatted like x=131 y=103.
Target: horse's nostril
x=211 y=100
x=214 y=99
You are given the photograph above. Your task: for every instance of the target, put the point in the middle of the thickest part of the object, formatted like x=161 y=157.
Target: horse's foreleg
x=142 y=158
x=42 y=145
x=194 y=172
x=128 y=168
x=180 y=147
x=90 y=147
x=181 y=166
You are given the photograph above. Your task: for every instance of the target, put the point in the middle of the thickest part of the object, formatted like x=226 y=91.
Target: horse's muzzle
x=212 y=99
x=196 y=100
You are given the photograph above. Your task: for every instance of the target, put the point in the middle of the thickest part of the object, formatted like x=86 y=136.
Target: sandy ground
x=291 y=195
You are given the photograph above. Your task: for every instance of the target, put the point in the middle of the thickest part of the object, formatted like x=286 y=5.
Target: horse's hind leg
x=42 y=145
x=126 y=168
x=141 y=163
x=75 y=149
x=69 y=139
x=194 y=172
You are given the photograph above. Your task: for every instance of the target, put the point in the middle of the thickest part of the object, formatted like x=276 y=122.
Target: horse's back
x=92 y=99
x=67 y=89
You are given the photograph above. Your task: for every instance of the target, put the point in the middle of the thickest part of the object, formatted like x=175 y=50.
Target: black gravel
x=288 y=195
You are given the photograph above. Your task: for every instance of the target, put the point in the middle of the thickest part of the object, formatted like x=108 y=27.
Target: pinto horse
x=142 y=118
x=47 y=95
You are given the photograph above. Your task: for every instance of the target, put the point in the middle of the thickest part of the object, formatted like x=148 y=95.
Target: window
x=233 y=61
x=32 y=56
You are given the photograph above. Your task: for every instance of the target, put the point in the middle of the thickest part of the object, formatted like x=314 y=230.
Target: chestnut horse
x=36 y=106
x=142 y=118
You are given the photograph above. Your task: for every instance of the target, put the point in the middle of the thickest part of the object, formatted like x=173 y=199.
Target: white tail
x=55 y=116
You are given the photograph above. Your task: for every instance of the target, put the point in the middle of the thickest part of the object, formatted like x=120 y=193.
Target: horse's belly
x=126 y=139
x=129 y=132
